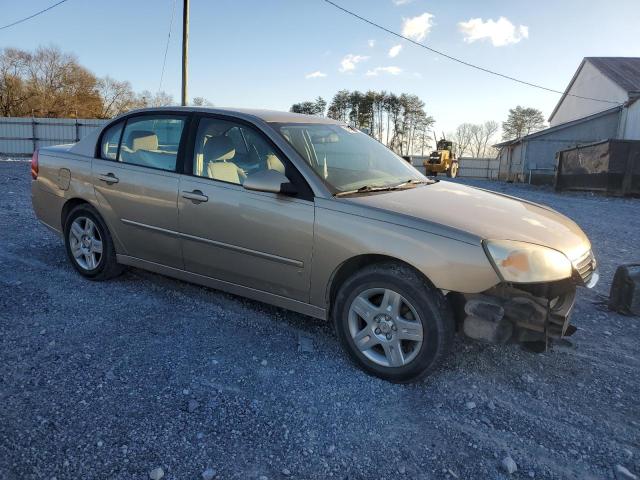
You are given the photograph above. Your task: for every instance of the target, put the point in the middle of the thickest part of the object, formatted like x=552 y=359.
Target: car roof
x=269 y=116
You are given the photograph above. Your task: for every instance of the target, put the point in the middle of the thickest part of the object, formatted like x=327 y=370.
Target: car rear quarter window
x=110 y=141
x=152 y=141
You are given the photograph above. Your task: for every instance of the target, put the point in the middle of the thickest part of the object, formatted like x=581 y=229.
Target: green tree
x=316 y=107
x=522 y=121
x=339 y=106
x=321 y=106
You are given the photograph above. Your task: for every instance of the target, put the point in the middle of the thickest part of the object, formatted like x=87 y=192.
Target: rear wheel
x=392 y=323
x=453 y=170
x=89 y=245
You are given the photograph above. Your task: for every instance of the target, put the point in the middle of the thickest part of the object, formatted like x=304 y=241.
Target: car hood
x=484 y=214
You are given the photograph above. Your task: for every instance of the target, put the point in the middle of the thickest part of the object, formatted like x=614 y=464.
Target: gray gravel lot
x=113 y=380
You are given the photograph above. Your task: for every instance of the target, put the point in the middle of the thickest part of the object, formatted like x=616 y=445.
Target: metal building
x=577 y=121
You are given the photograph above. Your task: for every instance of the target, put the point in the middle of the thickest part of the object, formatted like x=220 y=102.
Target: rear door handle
x=196 y=196
x=109 y=178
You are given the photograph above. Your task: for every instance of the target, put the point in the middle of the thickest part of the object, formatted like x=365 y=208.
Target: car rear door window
x=152 y=141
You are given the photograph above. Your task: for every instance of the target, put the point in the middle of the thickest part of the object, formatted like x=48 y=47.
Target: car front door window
x=230 y=152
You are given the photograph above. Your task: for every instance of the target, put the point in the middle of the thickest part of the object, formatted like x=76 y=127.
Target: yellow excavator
x=442 y=160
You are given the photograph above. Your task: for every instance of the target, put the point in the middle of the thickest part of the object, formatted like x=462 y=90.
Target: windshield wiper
x=414 y=181
x=379 y=188
x=366 y=189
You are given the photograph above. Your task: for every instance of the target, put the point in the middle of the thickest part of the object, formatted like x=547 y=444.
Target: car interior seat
x=141 y=148
x=274 y=163
x=217 y=155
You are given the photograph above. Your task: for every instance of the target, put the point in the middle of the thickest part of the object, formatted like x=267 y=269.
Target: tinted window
x=230 y=152
x=152 y=141
x=110 y=140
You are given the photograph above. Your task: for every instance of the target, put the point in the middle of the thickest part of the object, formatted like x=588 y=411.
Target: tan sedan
x=308 y=214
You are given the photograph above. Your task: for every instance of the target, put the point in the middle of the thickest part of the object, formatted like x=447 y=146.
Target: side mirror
x=269 y=181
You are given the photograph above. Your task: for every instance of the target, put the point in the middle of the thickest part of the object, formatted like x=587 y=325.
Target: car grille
x=585 y=266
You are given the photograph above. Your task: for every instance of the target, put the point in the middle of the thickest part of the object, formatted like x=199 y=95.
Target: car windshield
x=349 y=160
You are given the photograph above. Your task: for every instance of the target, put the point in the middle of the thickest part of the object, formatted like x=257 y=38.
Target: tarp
x=612 y=166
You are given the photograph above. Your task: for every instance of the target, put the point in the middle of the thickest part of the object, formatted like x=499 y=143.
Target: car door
x=136 y=184
x=255 y=239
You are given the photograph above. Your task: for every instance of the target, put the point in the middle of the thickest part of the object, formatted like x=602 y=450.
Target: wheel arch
x=353 y=264
x=68 y=206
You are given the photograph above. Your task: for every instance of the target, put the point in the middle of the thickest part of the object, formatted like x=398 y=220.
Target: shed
x=533 y=158
x=600 y=103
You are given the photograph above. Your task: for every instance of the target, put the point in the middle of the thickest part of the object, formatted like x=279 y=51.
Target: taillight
x=34 y=165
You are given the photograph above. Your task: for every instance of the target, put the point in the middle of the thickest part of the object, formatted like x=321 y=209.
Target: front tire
x=89 y=245
x=393 y=324
x=453 y=170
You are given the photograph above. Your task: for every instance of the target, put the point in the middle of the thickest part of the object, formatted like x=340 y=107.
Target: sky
x=273 y=53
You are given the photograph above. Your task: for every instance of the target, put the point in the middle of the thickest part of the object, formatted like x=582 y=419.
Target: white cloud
x=371 y=43
x=316 y=74
x=350 y=61
x=501 y=33
x=395 y=50
x=401 y=2
x=378 y=70
x=417 y=28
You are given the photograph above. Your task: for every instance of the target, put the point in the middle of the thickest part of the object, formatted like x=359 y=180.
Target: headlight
x=522 y=262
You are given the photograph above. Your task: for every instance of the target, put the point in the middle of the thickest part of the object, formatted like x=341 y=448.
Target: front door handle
x=196 y=196
x=109 y=178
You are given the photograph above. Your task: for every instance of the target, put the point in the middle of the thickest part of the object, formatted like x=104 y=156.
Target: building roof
x=561 y=126
x=623 y=71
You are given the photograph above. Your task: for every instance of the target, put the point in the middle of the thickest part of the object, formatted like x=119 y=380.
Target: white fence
x=479 y=167
x=20 y=136
x=467 y=167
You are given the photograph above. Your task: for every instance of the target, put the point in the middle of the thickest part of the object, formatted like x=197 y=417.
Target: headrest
x=218 y=148
x=142 y=140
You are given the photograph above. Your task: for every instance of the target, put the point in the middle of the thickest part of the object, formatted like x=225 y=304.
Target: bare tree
x=13 y=91
x=201 y=102
x=59 y=87
x=489 y=130
x=117 y=97
x=158 y=99
x=462 y=138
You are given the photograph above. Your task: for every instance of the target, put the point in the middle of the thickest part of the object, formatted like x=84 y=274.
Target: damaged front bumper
x=523 y=312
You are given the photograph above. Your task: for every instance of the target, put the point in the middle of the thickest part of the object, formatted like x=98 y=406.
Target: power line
x=34 y=15
x=166 y=48
x=471 y=65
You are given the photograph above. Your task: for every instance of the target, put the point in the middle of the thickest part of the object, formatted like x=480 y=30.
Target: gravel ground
x=115 y=380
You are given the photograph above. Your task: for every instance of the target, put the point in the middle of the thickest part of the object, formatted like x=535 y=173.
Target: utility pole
x=185 y=50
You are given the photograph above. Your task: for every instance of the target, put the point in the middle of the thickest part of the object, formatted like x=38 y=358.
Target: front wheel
x=393 y=324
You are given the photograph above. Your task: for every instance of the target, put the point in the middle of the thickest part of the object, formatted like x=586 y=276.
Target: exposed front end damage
x=509 y=314
x=533 y=314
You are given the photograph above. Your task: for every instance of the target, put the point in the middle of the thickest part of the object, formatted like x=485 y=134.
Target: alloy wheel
x=385 y=327
x=85 y=242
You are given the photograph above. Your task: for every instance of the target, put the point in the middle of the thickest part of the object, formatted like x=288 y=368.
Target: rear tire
x=89 y=245
x=453 y=170
x=393 y=323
